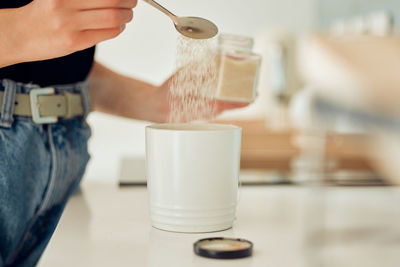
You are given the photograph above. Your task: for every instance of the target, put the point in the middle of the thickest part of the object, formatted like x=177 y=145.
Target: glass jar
x=238 y=69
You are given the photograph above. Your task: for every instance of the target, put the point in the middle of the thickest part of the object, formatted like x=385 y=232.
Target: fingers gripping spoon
x=192 y=27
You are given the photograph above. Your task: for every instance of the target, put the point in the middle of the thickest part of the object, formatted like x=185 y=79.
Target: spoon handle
x=162 y=9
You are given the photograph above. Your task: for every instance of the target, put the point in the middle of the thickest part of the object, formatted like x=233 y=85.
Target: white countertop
x=110 y=226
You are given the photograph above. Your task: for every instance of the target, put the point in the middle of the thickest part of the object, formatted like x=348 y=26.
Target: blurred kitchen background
x=272 y=125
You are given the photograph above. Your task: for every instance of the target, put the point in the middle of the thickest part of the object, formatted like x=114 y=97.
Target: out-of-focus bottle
x=238 y=69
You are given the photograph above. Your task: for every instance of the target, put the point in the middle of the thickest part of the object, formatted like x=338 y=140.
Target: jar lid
x=223 y=248
x=235 y=42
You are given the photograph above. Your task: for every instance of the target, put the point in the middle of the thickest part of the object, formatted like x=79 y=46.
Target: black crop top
x=63 y=70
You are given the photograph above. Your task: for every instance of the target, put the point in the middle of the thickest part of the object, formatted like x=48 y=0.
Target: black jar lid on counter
x=223 y=248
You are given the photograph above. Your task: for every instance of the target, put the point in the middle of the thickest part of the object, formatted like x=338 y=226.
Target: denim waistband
x=11 y=88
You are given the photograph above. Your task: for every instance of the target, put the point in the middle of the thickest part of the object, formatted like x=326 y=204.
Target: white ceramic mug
x=192 y=176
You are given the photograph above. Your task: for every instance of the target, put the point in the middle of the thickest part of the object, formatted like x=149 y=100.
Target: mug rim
x=192 y=127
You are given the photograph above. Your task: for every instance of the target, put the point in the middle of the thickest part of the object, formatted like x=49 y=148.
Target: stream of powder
x=195 y=81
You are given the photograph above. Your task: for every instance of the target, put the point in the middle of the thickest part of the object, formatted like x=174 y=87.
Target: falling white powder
x=195 y=82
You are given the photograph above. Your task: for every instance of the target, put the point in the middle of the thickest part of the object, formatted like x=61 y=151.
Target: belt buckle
x=34 y=95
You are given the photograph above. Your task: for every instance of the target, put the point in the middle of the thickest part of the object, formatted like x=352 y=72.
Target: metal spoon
x=192 y=27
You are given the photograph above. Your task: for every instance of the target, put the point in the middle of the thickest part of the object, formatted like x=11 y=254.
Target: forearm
x=119 y=95
x=10 y=50
x=48 y=29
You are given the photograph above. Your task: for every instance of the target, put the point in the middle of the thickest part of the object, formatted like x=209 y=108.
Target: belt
x=44 y=106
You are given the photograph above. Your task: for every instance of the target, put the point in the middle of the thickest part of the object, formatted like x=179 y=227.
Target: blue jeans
x=40 y=166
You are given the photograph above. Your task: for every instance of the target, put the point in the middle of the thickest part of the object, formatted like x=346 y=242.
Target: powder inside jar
x=237 y=79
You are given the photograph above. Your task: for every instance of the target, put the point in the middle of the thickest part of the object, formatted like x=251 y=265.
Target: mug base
x=192 y=228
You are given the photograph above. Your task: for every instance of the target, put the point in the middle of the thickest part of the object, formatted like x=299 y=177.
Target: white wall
x=146 y=50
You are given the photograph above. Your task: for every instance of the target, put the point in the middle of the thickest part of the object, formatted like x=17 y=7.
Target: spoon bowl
x=195 y=27
x=192 y=27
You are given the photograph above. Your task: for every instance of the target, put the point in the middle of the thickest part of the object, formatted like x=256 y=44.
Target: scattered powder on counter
x=195 y=82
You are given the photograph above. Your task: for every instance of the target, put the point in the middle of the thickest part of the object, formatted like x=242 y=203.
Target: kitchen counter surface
x=105 y=225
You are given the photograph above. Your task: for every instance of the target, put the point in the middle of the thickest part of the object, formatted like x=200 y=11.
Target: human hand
x=52 y=28
x=160 y=103
x=136 y=99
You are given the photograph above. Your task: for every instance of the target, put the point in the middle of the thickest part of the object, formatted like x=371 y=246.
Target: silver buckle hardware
x=34 y=94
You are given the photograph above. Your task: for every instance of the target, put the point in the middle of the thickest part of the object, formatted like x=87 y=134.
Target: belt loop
x=7 y=107
x=84 y=89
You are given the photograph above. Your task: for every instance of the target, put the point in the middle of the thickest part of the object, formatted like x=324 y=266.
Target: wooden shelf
x=275 y=150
